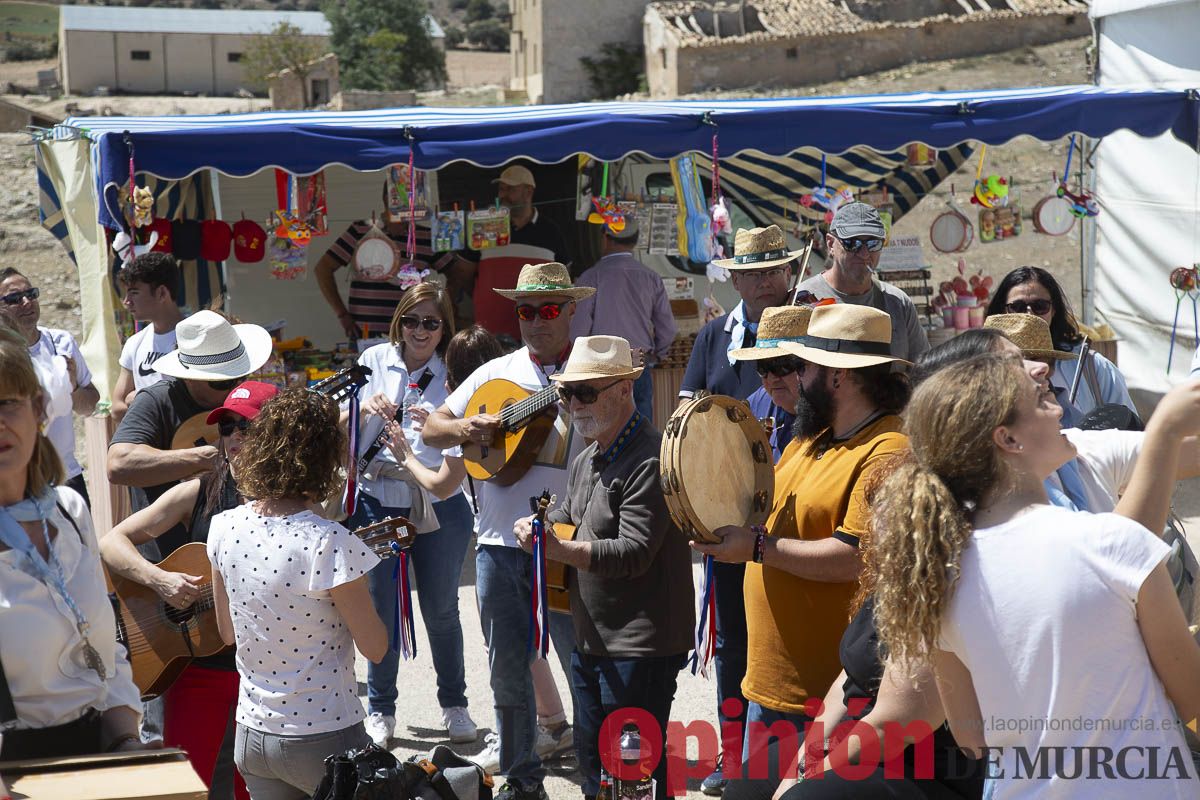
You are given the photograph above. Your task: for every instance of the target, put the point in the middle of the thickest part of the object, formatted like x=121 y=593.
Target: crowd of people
x=958 y=557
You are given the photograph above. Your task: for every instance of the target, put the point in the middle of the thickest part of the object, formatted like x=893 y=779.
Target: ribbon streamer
x=412 y=212
x=404 y=631
x=350 y=497
x=539 y=611
x=706 y=626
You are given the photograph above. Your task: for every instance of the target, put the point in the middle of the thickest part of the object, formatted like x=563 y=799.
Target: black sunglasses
x=779 y=367
x=226 y=427
x=225 y=385
x=584 y=394
x=872 y=244
x=1032 y=307
x=526 y=313
x=15 y=298
x=428 y=323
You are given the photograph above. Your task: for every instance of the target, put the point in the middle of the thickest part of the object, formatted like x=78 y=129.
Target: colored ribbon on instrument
x=706 y=625
x=350 y=497
x=404 y=631
x=539 y=611
x=411 y=244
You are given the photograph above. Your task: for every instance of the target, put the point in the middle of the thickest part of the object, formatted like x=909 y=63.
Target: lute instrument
x=526 y=419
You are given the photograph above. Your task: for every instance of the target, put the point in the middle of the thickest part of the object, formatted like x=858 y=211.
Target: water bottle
x=412 y=398
x=631 y=746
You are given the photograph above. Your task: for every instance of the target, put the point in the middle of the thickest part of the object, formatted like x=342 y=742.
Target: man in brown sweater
x=631 y=586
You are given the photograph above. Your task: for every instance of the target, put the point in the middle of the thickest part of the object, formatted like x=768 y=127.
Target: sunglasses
x=872 y=244
x=526 y=313
x=779 y=367
x=226 y=427
x=1032 y=307
x=224 y=386
x=15 y=298
x=586 y=395
x=428 y=323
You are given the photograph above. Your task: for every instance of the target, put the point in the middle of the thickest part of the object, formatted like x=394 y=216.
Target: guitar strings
x=530 y=405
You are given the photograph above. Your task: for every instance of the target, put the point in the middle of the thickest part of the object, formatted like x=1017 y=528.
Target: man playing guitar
x=545 y=301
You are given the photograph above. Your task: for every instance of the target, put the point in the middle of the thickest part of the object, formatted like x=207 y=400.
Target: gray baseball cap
x=857 y=219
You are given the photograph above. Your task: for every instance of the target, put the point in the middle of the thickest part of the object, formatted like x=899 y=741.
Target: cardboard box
x=144 y=775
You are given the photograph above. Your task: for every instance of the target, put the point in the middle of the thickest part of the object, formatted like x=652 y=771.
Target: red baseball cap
x=249 y=241
x=246 y=400
x=163 y=228
x=215 y=240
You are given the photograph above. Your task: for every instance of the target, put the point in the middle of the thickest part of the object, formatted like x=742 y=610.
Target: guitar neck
x=517 y=416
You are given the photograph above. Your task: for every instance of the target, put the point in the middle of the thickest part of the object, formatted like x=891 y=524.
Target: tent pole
x=1087 y=241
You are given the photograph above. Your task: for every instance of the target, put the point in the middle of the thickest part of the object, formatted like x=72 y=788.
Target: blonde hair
x=18 y=378
x=426 y=290
x=922 y=511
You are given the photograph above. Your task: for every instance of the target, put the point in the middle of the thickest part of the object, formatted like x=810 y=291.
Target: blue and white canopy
x=304 y=142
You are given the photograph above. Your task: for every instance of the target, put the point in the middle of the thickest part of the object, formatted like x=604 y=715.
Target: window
x=139 y=55
x=320 y=91
x=792 y=53
x=233 y=58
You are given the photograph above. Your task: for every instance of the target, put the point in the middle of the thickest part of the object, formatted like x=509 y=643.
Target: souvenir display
x=376 y=257
x=693 y=221
x=399 y=191
x=448 y=231
x=488 y=227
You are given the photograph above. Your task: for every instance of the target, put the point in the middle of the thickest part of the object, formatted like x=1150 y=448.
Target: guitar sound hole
x=180 y=616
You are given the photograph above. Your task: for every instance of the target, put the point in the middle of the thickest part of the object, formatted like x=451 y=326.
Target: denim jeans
x=289 y=767
x=503 y=576
x=437 y=559
x=602 y=685
x=764 y=768
x=730 y=656
x=643 y=394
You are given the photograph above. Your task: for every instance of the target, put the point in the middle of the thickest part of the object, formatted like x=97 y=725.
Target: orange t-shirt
x=794 y=625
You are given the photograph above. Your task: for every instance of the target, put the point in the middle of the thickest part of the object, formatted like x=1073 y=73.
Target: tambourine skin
x=1052 y=216
x=715 y=467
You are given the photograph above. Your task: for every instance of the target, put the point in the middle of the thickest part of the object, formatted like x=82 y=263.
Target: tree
x=490 y=34
x=617 y=71
x=285 y=47
x=383 y=45
x=455 y=36
x=478 y=10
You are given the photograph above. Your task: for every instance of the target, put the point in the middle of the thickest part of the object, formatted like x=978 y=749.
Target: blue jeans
x=437 y=559
x=730 y=657
x=503 y=577
x=602 y=685
x=643 y=394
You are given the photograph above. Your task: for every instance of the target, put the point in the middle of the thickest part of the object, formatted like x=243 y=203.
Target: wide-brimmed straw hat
x=595 y=357
x=211 y=349
x=778 y=325
x=1030 y=333
x=544 y=280
x=845 y=336
x=758 y=248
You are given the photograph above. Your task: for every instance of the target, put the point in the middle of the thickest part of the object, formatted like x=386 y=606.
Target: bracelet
x=120 y=740
x=760 y=542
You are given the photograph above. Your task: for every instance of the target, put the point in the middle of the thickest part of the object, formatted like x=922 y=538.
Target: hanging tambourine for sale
x=376 y=258
x=1052 y=216
x=951 y=231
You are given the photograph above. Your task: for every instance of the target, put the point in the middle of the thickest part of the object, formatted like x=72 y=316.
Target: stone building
x=694 y=46
x=549 y=37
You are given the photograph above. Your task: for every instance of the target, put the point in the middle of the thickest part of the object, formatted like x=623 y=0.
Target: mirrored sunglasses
x=526 y=313
x=872 y=244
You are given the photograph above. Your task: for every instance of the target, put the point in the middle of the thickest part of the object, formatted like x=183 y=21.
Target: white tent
x=1150 y=191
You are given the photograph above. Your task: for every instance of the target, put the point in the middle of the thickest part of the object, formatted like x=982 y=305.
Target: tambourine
x=951 y=232
x=1052 y=216
x=715 y=467
x=376 y=258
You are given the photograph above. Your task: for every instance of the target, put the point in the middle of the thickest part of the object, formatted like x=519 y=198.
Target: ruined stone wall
x=902 y=10
x=571 y=30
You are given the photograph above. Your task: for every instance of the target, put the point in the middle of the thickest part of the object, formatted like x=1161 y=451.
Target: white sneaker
x=547 y=744
x=489 y=759
x=459 y=725
x=380 y=728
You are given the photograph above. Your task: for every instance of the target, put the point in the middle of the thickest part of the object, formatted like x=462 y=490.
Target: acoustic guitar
x=162 y=640
x=557 y=597
x=526 y=419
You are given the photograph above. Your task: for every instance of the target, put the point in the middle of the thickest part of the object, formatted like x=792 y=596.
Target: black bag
x=373 y=773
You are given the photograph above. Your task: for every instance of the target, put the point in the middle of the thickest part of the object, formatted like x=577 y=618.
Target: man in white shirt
x=151 y=296
x=545 y=302
x=61 y=368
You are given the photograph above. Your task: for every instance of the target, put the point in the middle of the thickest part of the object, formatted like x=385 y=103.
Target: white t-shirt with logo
x=1044 y=615
x=501 y=506
x=141 y=350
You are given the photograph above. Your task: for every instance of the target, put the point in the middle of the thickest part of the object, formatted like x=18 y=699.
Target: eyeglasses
x=872 y=244
x=779 y=367
x=1038 y=307
x=15 y=298
x=225 y=385
x=428 y=323
x=586 y=395
x=226 y=427
x=526 y=313
x=764 y=274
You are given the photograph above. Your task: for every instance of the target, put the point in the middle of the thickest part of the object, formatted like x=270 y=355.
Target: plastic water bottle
x=631 y=747
x=412 y=398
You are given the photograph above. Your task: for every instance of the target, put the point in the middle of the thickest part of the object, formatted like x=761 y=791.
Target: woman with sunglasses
x=1033 y=290
x=409 y=370
x=779 y=371
x=199 y=706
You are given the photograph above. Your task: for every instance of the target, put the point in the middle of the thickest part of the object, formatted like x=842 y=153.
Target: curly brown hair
x=292 y=450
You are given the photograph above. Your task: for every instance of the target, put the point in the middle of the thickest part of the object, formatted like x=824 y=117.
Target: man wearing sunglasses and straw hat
x=544 y=304
x=855 y=241
x=631 y=594
x=805 y=561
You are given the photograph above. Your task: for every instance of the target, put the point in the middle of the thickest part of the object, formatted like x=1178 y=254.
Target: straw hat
x=545 y=280
x=758 y=248
x=211 y=349
x=1030 y=333
x=595 y=357
x=781 y=324
x=845 y=336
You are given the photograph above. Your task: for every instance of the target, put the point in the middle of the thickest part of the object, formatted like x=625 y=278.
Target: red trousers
x=197 y=716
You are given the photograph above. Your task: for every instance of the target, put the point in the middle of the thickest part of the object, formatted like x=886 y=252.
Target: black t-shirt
x=152 y=419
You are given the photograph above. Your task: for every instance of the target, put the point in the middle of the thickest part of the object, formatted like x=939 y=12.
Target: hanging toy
x=718 y=212
x=1186 y=283
x=607 y=213
x=127 y=251
x=827 y=198
x=991 y=191
x=143 y=207
x=1083 y=204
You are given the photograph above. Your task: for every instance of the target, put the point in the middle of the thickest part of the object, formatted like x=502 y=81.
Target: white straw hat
x=595 y=357
x=211 y=349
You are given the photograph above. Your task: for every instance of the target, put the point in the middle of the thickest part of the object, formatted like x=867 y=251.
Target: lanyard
x=49 y=573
